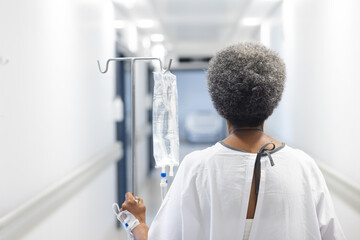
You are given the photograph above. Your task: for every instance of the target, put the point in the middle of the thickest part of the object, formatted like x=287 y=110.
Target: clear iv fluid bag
x=165 y=121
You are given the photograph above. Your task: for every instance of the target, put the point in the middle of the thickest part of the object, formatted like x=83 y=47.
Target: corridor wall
x=56 y=110
x=320 y=105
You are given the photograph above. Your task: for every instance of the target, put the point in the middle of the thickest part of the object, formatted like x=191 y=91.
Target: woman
x=249 y=184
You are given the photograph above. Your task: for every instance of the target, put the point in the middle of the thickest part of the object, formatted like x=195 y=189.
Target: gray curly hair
x=245 y=83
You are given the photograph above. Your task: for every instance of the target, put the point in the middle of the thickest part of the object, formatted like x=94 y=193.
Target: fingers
x=129 y=197
x=123 y=207
x=140 y=201
x=130 y=201
x=136 y=206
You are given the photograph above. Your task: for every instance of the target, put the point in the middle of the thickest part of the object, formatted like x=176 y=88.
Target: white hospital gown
x=209 y=198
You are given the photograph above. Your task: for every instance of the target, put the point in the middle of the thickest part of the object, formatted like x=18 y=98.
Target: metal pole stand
x=132 y=60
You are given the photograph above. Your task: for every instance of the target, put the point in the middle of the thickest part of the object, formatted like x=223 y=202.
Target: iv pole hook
x=132 y=60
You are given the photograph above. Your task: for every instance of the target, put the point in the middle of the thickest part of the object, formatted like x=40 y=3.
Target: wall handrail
x=30 y=213
x=346 y=189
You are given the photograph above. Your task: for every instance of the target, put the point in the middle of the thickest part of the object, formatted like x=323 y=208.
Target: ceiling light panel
x=157 y=37
x=251 y=21
x=119 y=24
x=129 y=4
x=145 y=23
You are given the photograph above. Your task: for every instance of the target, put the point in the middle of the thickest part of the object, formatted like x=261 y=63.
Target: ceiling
x=195 y=27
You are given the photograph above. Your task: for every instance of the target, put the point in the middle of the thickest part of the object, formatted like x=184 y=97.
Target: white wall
x=56 y=108
x=320 y=104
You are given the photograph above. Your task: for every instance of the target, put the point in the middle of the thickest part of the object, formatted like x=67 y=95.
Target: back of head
x=245 y=83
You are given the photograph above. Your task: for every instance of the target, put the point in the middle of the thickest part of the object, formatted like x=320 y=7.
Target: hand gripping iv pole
x=132 y=61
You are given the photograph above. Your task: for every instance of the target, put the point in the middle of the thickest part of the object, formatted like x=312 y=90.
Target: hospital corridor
x=179 y=119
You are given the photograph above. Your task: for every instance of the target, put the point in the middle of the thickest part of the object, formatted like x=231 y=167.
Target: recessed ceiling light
x=119 y=24
x=264 y=1
x=129 y=4
x=145 y=23
x=157 y=37
x=251 y=21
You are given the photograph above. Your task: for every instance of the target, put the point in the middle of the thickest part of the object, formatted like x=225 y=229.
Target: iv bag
x=165 y=121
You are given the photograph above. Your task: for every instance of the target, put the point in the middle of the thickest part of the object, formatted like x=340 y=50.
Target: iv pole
x=132 y=61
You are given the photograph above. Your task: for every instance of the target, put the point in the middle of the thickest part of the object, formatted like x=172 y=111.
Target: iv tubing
x=163 y=186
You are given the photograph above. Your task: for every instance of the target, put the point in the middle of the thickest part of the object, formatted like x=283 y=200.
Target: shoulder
x=196 y=160
x=308 y=165
x=300 y=156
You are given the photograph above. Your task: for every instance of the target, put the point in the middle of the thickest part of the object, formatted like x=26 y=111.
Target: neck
x=244 y=130
x=251 y=139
